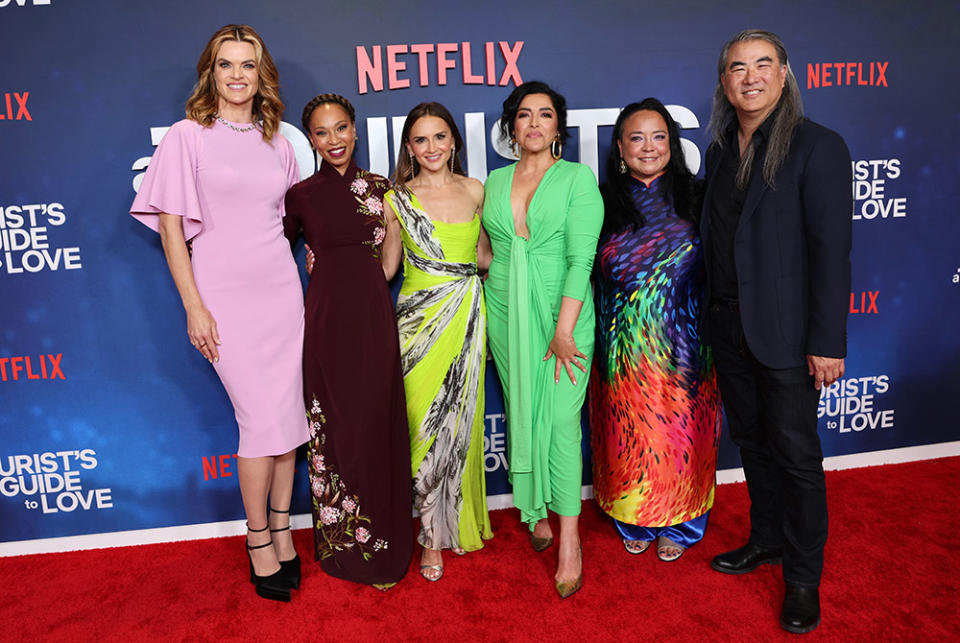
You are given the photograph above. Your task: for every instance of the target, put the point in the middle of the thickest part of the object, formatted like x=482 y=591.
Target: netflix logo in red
x=863 y=74
x=15 y=104
x=219 y=466
x=496 y=65
x=30 y=367
x=864 y=302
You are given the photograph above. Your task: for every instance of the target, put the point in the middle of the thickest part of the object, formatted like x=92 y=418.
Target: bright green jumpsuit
x=526 y=283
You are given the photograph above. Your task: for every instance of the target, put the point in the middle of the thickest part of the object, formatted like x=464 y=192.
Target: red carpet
x=892 y=573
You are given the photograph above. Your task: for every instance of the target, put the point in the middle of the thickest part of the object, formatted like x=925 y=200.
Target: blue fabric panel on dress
x=684 y=534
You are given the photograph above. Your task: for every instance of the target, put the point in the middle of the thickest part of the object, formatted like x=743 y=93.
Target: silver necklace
x=220 y=120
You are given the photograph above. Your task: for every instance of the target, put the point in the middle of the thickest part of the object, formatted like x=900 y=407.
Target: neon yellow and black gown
x=441 y=319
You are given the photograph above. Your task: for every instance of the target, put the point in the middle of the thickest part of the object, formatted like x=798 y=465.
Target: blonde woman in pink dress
x=217 y=180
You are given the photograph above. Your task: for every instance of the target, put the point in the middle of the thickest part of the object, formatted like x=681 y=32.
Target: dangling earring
x=556 y=148
x=623 y=166
x=513 y=147
x=453 y=151
x=317 y=160
x=413 y=162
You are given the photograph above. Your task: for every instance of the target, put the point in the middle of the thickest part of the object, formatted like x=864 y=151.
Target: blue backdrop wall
x=109 y=420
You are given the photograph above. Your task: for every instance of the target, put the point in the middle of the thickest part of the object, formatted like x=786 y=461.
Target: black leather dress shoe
x=746 y=559
x=801 y=609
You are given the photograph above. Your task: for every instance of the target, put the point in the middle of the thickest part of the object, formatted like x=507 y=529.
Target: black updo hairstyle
x=324 y=99
x=512 y=105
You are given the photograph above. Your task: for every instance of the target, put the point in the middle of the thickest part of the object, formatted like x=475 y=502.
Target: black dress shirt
x=725 y=207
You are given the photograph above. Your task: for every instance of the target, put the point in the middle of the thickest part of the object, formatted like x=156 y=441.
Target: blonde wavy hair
x=203 y=103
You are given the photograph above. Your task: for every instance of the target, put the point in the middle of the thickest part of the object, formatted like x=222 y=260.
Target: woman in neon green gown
x=433 y=213
x=543 y=216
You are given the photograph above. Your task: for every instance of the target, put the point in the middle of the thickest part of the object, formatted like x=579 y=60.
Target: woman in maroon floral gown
x=359 y=448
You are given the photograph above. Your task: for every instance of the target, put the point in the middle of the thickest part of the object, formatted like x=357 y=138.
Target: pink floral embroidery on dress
x=358 y=186
x=329 y=515
x=336 y=512
x=368 y=194
x=374 y=205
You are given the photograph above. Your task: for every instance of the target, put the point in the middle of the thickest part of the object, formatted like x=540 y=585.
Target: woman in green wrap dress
x=543 y=216
x=433 y=221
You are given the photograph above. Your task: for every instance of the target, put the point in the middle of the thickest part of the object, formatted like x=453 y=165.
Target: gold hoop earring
x=556 y=149
x=453 y=151
x=623 y=166
x=413 y=162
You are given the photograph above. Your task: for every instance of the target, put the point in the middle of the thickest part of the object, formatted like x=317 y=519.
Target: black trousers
x=772 y=416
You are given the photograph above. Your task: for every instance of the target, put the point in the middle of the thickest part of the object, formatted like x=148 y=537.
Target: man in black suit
x=776 y=230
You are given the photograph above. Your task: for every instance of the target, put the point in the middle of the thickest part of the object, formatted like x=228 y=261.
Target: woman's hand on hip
x=565 y=350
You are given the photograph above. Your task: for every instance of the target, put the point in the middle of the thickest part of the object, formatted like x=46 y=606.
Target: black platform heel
x=274 y=587
x=290 y=568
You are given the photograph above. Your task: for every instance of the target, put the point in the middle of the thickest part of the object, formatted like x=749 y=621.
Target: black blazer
x=792 y=249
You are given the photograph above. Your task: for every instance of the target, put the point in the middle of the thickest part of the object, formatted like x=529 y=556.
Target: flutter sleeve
x=582 y=231
x=290 y=167
x=170 y=184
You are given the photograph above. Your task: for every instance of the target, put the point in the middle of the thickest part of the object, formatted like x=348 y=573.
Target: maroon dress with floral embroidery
x=359 y=448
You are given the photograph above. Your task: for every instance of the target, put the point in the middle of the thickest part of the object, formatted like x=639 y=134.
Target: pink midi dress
x=229 y=188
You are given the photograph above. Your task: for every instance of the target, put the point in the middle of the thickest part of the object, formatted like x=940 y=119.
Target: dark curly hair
x=512 y=105
x=685 y=192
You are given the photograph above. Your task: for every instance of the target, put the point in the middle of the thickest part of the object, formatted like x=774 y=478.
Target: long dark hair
x=681 y=186
x=408 y=168
x=789 y=112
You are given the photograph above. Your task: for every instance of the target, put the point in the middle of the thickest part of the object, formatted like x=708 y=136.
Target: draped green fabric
x=527 y=281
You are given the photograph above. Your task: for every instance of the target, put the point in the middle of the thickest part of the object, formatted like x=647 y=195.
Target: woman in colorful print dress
x=655 y=409
x=433 y=222
x=543 y=215
x=217 y=180
x=359 y=450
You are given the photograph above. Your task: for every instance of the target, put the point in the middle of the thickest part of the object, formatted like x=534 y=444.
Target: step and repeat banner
x=110 y=421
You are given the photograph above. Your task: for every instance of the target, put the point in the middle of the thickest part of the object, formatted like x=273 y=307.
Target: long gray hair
x=788 y=117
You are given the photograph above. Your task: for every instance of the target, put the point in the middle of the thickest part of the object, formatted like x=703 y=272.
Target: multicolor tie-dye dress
x=655 y=407
x=441 y=319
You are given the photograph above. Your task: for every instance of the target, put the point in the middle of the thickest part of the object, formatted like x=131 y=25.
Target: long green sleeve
x=582 y=231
